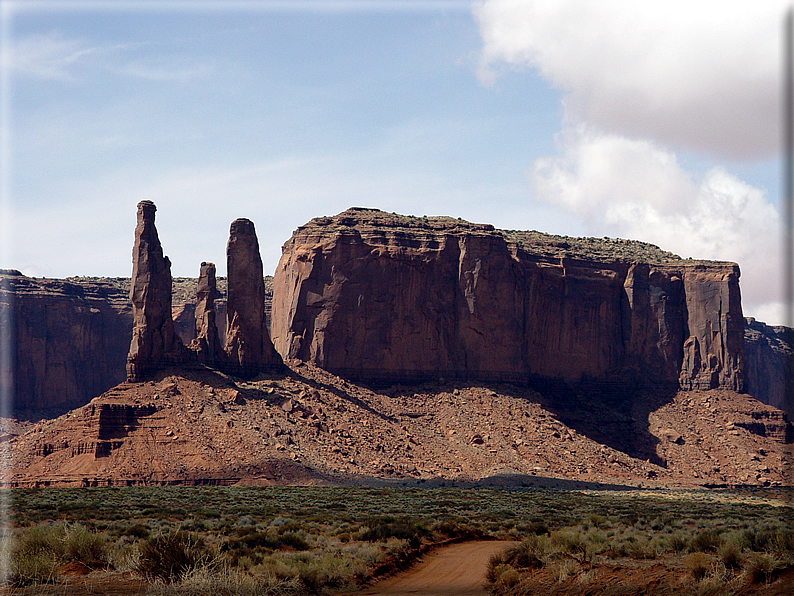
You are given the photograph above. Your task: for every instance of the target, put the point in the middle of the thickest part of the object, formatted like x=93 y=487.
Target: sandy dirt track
x=453 y=570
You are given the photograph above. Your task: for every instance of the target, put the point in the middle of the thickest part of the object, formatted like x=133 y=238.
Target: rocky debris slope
x=767 y=350
x=382 y=297
x=309 y=426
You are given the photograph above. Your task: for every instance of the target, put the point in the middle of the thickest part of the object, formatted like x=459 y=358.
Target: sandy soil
x=453 y=570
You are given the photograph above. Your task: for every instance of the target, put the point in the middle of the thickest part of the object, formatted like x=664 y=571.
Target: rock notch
x=154 y=344
x=207 y=345
x=249 y=350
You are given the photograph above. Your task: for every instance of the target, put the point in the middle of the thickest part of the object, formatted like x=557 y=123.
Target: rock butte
x=374 y=296
x=71 y=337
x=624 y=363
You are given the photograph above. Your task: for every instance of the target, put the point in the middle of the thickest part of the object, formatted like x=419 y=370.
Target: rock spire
x=207 y=345
x=249 y=350
x=154 y=344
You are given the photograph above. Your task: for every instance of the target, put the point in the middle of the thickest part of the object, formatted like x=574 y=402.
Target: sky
x=652 y=121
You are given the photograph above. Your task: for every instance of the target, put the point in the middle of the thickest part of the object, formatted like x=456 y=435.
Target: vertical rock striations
x=207 y=345
x=68 y=340
x=154 y=344
x=714 y=350
x=249 y=350
x=768 y=353
x=382 y=297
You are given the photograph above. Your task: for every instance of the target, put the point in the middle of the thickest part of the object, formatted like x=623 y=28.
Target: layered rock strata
x=154 y=343
x=249 y=350
x=67 y=340
x=382 y=297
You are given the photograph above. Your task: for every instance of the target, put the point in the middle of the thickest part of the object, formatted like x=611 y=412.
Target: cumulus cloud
x=637 y=189
x=639 y=82
x=692 y=74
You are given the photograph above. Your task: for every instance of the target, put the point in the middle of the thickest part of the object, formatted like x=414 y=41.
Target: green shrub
x=760 y=567
x=698 y=564
x=33 y=568
x=40 y=550
x=506 y=578
x=705 y=541
x=83 y=545
x=170 y=556
x=570 y=542
x=529 y=554
x=135 y=531
x=380 y=531
x=730 y=552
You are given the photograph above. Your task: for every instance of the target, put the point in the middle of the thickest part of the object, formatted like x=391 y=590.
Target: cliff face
x=381 y=297
x=767 y=351
x=70 y=339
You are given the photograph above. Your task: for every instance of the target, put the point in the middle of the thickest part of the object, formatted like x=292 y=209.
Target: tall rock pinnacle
x=248 y=347
x=207 y=345
x=154 y=344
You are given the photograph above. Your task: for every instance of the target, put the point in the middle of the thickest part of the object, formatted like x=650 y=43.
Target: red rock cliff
x=70 y=339
x=383 y=297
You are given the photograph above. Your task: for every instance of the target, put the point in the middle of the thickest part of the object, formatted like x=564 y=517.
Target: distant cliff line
x=583 y=308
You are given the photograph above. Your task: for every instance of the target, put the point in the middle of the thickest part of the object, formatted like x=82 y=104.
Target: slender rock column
x=154 y=344
x=249 y=350
x=207 y=344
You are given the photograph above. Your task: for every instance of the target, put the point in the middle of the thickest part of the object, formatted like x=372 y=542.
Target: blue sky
x=527 y=115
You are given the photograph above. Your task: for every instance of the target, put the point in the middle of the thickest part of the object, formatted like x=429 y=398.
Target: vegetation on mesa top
x=540 y=243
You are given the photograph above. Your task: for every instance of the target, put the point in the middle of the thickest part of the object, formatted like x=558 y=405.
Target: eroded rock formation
x=154 y=343
x=767 y=351
x=68 y=340
x=206 y=345
x=383 y=297
x=249 y=350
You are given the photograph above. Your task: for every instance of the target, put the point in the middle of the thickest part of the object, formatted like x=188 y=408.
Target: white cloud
x=49 y=56
x=54 y=57
x=693 y=74
x=638 y=190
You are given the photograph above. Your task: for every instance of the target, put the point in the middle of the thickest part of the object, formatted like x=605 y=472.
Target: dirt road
x=453 y=570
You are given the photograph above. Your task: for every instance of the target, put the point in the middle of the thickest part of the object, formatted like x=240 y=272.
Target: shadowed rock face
x=248 y=347
x=714 y=350
x=68 y=340
x=154 y=344
x=768 y=352
x=382 y=297
x=206 y=345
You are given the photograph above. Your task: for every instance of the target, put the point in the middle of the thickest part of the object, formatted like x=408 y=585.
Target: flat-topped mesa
x=154 y=344
x=384 y=297
x=249 y=350
x=207 y=345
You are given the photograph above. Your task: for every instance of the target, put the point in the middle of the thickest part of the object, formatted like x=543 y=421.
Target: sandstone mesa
x=613 y=345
